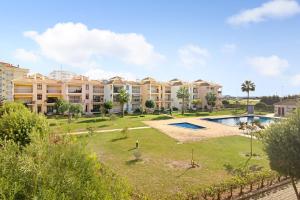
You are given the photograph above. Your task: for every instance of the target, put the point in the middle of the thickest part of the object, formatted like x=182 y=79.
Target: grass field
x=60 y=124
x=164 y=168
x=244 y=101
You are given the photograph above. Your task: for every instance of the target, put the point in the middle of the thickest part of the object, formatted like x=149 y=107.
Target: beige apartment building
x=8 y=72
x=40 y=92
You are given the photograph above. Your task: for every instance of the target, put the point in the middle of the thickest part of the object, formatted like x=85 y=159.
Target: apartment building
x=40 y=93
x=200 y=88
x=61 y=75
x=8 y=72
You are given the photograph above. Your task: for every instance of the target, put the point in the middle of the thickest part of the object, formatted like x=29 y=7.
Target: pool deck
x=211 y=130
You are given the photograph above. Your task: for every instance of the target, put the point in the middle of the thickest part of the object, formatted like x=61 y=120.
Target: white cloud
x=229 y=48
x=270 y=10
x=76 y=45
x=193 y=55
x=98 y=74
x=295 y=80
x=27 y=56
x=269 y=66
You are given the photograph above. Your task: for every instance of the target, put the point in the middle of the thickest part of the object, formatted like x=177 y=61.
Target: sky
x=221 y=41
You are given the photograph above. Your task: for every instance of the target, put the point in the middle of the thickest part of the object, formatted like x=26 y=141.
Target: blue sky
x=219 y=40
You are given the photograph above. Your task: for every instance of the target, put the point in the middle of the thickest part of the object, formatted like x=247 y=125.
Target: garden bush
x=56 y=168
x=17 y=123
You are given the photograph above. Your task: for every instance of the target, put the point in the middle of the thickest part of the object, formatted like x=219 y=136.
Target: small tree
x=282 y=144
x=211 y=99
x=225 y=103
x=261 y=106
x=58 y=106
x=197 y=103
x=62 y=106
x=123 y=98
x=150 y=104
x=75 y=109
x=183 y=94
x=9 y=107
x=108 y=105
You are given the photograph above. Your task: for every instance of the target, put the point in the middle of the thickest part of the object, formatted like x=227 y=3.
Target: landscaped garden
x=163 y=168
x=59 y=124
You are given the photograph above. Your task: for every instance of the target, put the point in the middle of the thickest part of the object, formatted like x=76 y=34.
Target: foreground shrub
x=60 y=169
x=282 y=144
x=17 y=123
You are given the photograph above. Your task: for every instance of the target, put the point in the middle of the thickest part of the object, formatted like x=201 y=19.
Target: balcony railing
x=136 y=91
x=155 y=91
x=19 y=90
x=53 y=91
x=98 y=91
x=75 y=91
x=74 y=101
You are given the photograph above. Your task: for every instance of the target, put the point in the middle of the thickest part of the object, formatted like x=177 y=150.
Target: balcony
x=75 y=91
x=98 y=91
x=155 y=91
x=51 y=100
x=98 y=98
x=136 y=91
x=75 y=101
x=23 y=90
x=54 y=91
x=117 y=89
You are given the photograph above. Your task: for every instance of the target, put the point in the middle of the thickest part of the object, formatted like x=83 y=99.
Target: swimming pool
x=235 y=121
x=187 y=125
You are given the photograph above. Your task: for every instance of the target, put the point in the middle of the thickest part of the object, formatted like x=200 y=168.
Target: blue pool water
x=187 y=125
x=235 y=121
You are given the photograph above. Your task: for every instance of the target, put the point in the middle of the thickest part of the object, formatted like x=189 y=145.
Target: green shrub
x=18 y=125
x=60 y=170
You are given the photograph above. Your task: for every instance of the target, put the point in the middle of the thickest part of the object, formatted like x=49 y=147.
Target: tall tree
x=211 y=99
x=123 y=98
x=248 y=86
x=183 y=94
x=282 y=144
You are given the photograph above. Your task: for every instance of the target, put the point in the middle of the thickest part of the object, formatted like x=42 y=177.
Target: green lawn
x=60 y=124
x=214 y=113
x=163 y=170
x=244 y=101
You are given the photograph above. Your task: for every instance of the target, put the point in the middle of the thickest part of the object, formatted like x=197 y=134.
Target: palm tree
x=248 y=86
x=183 y=94
x=123 y=98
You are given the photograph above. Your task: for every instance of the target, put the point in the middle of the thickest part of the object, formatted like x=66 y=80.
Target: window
x=87 y=87
x=87 y=96
x=39 y=86
x=39 y=96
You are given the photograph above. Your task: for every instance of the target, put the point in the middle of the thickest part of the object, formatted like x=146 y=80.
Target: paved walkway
x=285 y=192
x=211 y=129
x=108 y=130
